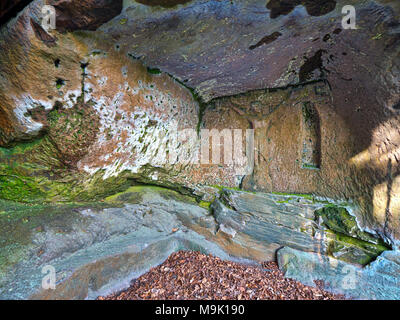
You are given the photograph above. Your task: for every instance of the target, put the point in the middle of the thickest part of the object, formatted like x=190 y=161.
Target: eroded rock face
x=298 y=222
x=377 y=281
x=322 y=101
x=84 y=15
x=36 y=76
x=313 y=7
x=101 y=246
x=98 y=248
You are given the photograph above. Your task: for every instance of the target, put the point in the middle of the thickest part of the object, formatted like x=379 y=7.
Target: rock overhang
x=302 y=62
x=206 y=43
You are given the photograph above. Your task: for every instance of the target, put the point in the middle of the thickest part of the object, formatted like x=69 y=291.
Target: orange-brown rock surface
x=323 y=102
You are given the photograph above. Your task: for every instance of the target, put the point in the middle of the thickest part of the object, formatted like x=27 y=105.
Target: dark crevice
x=9 y=9
x=275 y=89
x=42 y=35
x=185 y=191
x=85 y=15
x=389 y=198
x=314 y=7
x=311 y=134
x=163 y=3
x=337 y=31
x=396 y=106
x=203 y=103
x=312 y=64
x=153 y=70
x=59 y=83
x=196 y=97
x=133 y=57
x=84 y=65
x=266 y=40
x=326 y=38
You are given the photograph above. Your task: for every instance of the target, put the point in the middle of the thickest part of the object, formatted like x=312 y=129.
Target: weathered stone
x=31 y=75
x=293 y=221
x=99 y=247
x=339 y=220
x=8 y=8
x=361 y=99
x=74 y=15
x=178 y=33
x=313 y=7
x=49 y=65
x=96 y=248
x=379 y=280
x=324 y=111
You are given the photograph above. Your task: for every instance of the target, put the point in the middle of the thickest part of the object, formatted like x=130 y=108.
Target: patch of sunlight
x=380 y=200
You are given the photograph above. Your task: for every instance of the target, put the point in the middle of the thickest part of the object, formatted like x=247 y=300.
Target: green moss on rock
x=18 y=188
x=338 y=219
x=345 y=240
x=205 y=204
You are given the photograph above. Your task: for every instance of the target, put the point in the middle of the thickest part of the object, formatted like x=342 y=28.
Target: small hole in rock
x=396 y=106
x=57 y=63
x=326 y=37
x=59 y=83
x=83 y=67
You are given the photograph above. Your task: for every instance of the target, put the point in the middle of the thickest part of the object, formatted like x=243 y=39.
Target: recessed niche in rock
x=311 y=135
x=263 y=136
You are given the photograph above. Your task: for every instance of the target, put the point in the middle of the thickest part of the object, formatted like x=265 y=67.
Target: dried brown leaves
x=192 y=275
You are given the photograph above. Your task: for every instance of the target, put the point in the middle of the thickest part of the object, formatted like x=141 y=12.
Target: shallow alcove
x=177 y=142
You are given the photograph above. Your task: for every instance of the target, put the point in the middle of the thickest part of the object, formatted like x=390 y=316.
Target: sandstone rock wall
x=101 y=106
